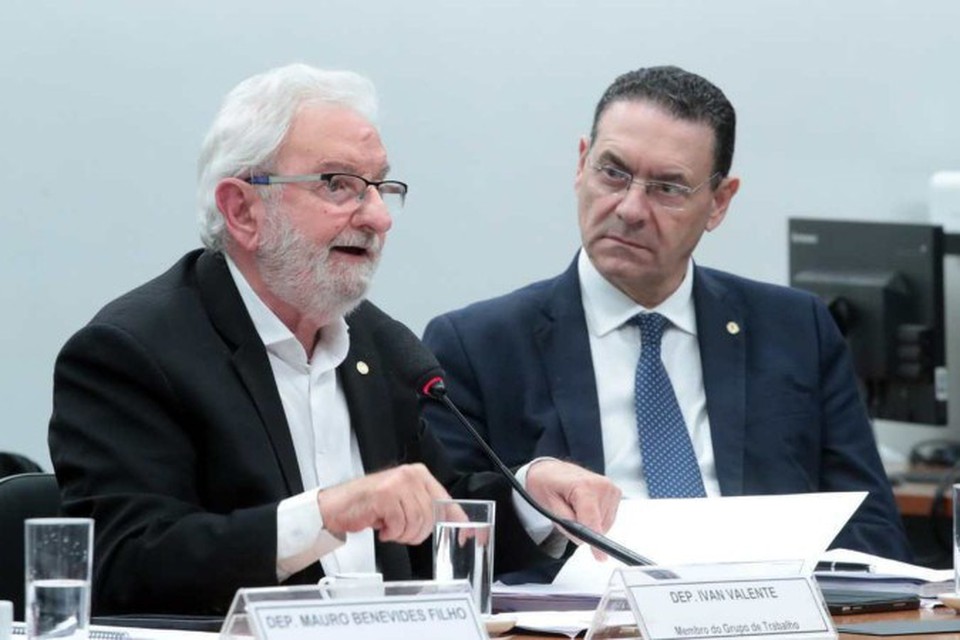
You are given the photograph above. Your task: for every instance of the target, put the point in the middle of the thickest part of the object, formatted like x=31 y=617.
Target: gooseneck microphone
x=416 y=365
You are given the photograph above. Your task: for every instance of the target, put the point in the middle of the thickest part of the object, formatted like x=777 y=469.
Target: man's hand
x=575 y=493
x=397 y=502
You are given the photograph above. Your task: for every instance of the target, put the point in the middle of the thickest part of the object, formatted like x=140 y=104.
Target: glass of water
x=59 y=563
x=463 y=545
x=956 y=538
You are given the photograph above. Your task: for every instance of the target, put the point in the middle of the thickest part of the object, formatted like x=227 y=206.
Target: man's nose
x=374 y=212
x=635 y=205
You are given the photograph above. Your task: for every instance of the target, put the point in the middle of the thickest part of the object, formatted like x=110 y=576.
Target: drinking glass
x=59 y=563
x=463 y=545
x=956 y=538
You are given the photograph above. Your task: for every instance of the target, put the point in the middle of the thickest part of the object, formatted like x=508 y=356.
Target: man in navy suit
x=762 y=378
x=243 y=420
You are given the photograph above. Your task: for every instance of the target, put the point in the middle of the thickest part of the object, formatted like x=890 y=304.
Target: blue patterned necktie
x=669 y=463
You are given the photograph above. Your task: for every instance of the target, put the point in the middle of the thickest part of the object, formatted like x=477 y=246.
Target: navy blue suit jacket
x=785 y=413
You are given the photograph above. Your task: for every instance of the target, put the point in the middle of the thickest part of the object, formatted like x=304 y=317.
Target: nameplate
x=432 y=617
x=756 y=608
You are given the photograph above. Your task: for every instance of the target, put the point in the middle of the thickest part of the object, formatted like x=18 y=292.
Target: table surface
x=922 y=614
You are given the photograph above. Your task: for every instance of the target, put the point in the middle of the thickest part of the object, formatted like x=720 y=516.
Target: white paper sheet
x=885 y=569
x=568 y=623
x=138 y=633
x=708 y=530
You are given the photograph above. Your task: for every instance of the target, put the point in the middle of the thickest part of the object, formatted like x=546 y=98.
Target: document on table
x=103 y=632
x=884 y=567
x=884 y=574
x=713 y=530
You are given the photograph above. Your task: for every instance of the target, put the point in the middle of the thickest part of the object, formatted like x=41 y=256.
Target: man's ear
x=241 y=209
x=583 y=148
x=721 y=201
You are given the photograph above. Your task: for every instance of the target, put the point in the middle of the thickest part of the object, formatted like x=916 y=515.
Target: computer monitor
x=883 y=284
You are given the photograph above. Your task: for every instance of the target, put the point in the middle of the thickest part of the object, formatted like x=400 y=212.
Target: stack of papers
x=884 y=575
x=541 y=597
x=568 y=623
x=674 y=533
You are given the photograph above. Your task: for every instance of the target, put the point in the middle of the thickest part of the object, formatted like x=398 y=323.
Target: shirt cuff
x=301 y=538
x=537 y=526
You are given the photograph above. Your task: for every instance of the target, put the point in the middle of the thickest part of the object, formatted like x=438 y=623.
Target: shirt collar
x=607 y=308
x=329 y=352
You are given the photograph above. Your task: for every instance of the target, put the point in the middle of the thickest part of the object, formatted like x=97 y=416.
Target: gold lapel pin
x=733 y=328
x=362 y=367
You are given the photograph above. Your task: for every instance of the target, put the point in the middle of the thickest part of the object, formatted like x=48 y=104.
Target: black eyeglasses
x=341 y=189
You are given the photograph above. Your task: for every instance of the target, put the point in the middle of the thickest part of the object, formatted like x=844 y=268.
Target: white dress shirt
x=319 y=422
x=615 y=349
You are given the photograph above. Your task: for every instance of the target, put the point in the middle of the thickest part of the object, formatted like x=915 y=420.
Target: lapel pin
x=733 y=328
x=362 y=367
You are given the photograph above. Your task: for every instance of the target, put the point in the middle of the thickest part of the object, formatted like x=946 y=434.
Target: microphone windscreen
x=410 y=360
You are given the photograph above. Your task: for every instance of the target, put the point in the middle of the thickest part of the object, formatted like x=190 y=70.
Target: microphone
x=417 y=366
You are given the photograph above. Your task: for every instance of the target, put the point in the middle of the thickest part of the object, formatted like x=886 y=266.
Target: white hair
x=253 y=122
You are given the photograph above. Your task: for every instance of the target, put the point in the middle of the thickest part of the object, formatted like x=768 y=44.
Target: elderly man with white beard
x=238 y=421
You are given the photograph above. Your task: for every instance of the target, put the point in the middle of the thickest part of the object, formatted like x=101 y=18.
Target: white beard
x=302 y=275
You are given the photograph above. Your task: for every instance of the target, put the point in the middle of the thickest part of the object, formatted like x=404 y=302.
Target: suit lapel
x=367 y=390
x=231 y=320
x=561 y=335
x=721 y=331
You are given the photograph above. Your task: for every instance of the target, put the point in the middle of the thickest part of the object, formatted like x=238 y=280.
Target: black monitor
x=883 y=284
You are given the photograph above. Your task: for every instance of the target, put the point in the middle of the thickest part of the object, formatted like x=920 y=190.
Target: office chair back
x=22 y=496
x=14 y=463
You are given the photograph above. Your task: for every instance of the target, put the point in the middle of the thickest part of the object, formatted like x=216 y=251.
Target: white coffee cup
x=355 y=584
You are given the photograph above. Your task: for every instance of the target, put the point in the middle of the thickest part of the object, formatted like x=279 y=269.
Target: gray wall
x=846 y=108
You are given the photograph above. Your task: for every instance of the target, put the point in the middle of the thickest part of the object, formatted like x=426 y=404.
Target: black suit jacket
x=785 y=413
x=168 y=430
